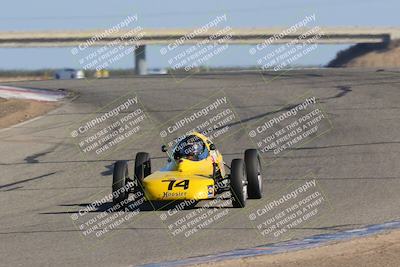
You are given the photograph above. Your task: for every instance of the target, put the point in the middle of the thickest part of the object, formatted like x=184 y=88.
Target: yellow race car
x=195 y=170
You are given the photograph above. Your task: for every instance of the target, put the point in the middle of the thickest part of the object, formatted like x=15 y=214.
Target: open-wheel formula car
x=195 y=170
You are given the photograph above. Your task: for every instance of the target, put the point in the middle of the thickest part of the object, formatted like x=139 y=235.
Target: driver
x=191 y=148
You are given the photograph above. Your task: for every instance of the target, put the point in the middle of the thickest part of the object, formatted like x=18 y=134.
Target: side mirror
x=164 y=148
x=212 y=147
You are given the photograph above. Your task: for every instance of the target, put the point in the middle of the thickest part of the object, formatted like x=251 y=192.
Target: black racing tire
x=142 y=166
x=120 y=175
x=254 y=173
x=238 y=176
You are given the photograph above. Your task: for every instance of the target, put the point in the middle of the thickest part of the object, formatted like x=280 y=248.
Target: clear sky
x=18 y=15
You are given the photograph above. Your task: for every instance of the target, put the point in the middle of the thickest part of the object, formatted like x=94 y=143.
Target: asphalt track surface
x=44 y=179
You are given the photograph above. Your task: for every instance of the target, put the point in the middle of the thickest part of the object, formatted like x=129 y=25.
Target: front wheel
x=119 y=190
x=238 y=183
x=253 y=172
x=142 y=165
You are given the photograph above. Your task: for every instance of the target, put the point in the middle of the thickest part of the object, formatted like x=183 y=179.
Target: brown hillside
x=369 y=55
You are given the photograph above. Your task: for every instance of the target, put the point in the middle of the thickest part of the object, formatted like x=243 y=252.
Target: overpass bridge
x=75 y=38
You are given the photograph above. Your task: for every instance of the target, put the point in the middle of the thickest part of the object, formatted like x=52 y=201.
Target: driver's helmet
x=190 y=148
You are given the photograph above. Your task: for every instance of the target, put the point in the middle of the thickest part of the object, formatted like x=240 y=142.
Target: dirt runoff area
x=14 y=111
x=22 y=78
x=376 y=250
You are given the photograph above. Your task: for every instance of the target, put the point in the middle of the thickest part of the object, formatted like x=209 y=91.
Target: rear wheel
x=253 y=172
x=142 y=166
x=120 y=175
x=238 y=183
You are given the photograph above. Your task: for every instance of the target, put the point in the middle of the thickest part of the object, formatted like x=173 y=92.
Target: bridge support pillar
x=140 y=60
